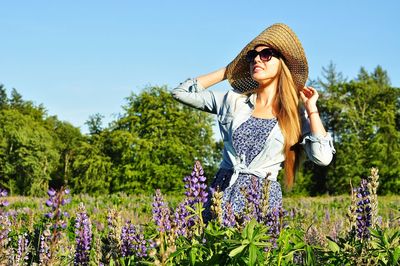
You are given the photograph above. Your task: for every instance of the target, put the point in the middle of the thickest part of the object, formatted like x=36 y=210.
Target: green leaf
x=249 y=230
x=237 y=251
x=252 y=254
x=333 y=246
x=396 y=255
x=192 y=255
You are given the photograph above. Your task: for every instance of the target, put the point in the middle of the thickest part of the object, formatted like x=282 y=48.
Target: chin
x=260 y=78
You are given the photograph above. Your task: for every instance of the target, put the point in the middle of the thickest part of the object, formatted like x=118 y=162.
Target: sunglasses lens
x=266 y=54
x=251 y=55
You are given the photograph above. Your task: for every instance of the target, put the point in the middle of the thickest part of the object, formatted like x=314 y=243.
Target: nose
x=257 y=59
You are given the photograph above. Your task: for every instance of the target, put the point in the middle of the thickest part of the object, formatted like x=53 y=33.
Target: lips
x=257 y=68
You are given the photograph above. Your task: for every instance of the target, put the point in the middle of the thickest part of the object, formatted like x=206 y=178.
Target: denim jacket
x=232 y=109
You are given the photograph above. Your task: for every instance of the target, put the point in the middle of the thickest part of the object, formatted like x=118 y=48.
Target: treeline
x=363 y=116
x=151 y=145
x=155 y=140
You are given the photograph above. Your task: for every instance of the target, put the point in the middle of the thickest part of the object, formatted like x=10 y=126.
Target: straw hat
x=280 y=38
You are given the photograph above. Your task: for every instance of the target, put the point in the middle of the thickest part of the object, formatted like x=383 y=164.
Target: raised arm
x=212 y=78
x=193 y=92
x=317 y=142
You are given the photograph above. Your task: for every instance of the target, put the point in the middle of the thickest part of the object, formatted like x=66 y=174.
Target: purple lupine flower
x=55 y=224
x=196 y=188
x=55 y=201
x=161 y=213
x=22 y=251
x=228 y=218
x=252 y=195
x=132 y=241
x=51 y=192
x=5 y=224
x=181 y=221
x=327 y=216
x=5 y=229
x=3 y=193
x=274 y=221
x=83 y=231
x=363 y=211
x=44 y=251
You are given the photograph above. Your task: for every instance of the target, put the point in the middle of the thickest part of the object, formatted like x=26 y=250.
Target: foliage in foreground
x=181 y=236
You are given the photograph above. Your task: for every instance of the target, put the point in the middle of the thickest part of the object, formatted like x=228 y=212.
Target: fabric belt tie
x=240 y=167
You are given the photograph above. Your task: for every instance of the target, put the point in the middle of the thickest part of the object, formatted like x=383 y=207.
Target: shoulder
x=232 y=96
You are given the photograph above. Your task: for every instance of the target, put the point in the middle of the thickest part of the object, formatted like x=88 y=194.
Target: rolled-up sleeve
x=319 y=148
x=191 y=93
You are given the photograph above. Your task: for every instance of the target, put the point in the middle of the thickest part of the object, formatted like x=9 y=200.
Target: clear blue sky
x=79 y=58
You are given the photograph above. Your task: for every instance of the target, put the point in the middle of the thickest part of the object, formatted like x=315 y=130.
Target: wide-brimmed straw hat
x=280 y=38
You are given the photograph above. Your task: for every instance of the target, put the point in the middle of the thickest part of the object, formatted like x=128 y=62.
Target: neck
x=266 y=94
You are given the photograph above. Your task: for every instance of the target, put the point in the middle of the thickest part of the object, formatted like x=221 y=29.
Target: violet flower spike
x=196 y=188
x=180 y=219
x=363 y=211
x=83 y=231
x=161 y=213
x=132 y=241
x=3 y=193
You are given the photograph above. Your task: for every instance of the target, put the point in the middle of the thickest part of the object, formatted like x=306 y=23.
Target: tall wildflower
x=45 y=254
x=113 y=241
x=274 y=220
x=196 y=188
x=264 y=200
x=132 y=241
x=253 y=197
x=161 y=216
x=5 y=227
x=229 y=219
x=56 y=223
x=351 y=212
x=22 y=257
x=56 y=200
x=161 y=212
x=83 y=231
x=3 y=202
x=373 y=187
x=180 y=219
x=314 y=236
x=196 y=195
x=363 y=210
x=216 y=207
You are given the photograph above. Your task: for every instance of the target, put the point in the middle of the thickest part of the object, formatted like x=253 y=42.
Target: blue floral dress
x=248 y=139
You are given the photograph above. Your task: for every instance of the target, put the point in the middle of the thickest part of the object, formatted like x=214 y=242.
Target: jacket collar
x=251 y=99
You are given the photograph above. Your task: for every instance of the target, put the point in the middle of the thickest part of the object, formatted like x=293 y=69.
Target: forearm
x=212 y=78
x=316 y=126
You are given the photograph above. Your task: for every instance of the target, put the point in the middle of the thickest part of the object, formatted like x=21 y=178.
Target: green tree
x=95 y=123
x=92 y=169
x=156 y=141
x=361 y=115
x=27 y=153
x=68 y=139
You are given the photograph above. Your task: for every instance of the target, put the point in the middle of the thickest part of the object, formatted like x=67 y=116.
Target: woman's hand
x=309 y=96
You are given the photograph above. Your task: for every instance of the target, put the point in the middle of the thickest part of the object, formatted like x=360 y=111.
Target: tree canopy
x=155 y=140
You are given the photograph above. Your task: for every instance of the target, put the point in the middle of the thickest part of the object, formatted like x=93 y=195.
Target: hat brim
x=280 y=38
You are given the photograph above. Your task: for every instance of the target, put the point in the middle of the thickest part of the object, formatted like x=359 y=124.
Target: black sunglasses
x=265 y=54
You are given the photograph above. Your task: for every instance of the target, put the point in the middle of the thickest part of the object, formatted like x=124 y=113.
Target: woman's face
x=264 y=71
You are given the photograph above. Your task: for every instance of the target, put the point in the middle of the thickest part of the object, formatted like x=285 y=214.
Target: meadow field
x=120 y=229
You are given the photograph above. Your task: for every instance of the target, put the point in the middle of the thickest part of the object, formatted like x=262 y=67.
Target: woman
x=262 y=120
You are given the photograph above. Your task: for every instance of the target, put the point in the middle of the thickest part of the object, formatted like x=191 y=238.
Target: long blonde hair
x=287 y=108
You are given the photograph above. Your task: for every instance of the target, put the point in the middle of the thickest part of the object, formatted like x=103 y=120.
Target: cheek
x=274 y=68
